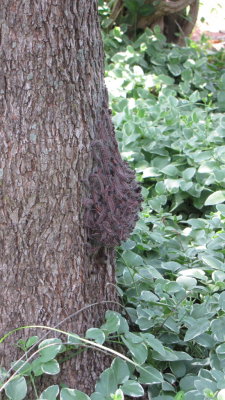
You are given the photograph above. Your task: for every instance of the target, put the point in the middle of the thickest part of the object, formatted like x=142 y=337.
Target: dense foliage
x=175 y=18
x=168 y=108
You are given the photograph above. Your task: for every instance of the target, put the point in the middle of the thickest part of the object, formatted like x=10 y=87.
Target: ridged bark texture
x=51 y=98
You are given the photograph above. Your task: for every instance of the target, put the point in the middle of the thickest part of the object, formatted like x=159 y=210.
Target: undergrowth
x=168 y=108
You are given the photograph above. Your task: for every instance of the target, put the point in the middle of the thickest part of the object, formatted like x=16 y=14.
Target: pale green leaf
x=201 y=326
x=17 y=388
x=215 y=198
x=51 y=367
x=132 y=388
x=150 y=375
x=72 y=394
x=95 y=334
x=50 y=393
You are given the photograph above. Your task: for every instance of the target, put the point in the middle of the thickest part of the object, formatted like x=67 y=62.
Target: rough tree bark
x=52 y=97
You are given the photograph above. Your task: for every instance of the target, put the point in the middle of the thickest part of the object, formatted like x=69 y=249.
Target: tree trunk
x=52 y=96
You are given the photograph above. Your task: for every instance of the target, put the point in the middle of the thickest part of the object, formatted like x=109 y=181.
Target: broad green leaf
x=170 y=355
x=178 y=368
x=72 y=394
x=222 y=301
x=132 y=388
x=172 y=185
x=187 y=383
x=217 y=327
x=187 y=75
x=220 y=350
x=160 y=188
x=24 y=367
x=107 y=383
x=132 y=259
x=150 y=375
x=50 y=393
x=146 y=295
x=73 y=338
x=194 y=272
x=215 y=198
x=218 y=276
x=188 y=173
x=171 y=265
x=153 y=342
x=187 y=282
x=167 y=387
x=134 y=338
x=201 y=326
x=182 y=355
x=213 y=262
x=195 y=96
x=172 y=287
x=138 y=350
x=95 y=334
x=194 y=395
x=51 y=367
x=205 y=340
x=121 y=370
x=165 y=79
x=31 y=341
x=112 y=322
x=50 y=348
x=17 y=388
x=175 y=69
x=202 y=384
x=36 y=367
x=170 y=170
x=128 y=245
x=150 y=172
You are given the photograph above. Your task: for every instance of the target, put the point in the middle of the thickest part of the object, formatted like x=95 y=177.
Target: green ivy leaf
x=95 y=334
x=107 y=383
x=132 y=259
x=215 y=198
x=51 y=367
x=121 y=370
x=17 y=388
x=188 y=173
x=167 y=80
x=200 y=326
x=154 y=343
x=49 y=349
x=138 y=350
x=150 y=375
x=132 y=388
x=217 y=327
x=175 y=69
x=72 y=394
x=112 y=322
x=213 y=262
x=31 y=341
x=50 y=393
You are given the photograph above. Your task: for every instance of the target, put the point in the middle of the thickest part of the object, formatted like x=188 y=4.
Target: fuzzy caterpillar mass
x=114 y=197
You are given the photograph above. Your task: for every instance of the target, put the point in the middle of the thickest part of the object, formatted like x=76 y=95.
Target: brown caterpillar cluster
x=114 y=195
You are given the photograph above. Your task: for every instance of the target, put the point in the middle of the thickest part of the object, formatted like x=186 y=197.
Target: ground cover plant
x=168 y=110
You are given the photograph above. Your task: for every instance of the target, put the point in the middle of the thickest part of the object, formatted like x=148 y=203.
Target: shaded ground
x=211 y=23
